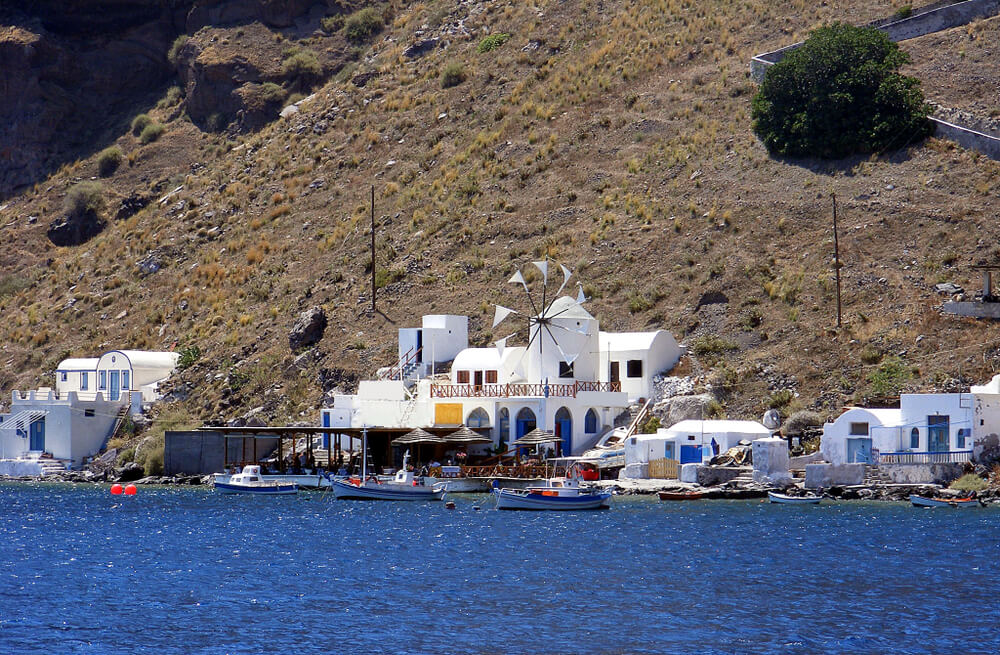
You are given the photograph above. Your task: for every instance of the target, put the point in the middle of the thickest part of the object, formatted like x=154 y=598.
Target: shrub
x=780 y=398
x=188 y=356
x=711 y=344
x=272 y=93
x=175 y=49
x=332 y=24
x=303 y=66
x=363 y=24
x=109 y=160
x=888 y=379
x=151 y=133
x=173 y=96
x=799 y=421
x=840 y=93
x=85 y=197
x=492 y=42
x=650 y=426
x=11 y=284
x=452 y=75
x=903 y=12
x=139 y=123
x=969 y=482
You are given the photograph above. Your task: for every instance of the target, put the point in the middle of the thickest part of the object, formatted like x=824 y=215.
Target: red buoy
x=116 y=489
x=130 y=490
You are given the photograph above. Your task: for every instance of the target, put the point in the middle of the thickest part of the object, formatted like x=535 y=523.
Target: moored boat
x=923 y=501
x=793 y=500
x=250 y=481
x=554 y=494
x=679 y=495
x=404 y=486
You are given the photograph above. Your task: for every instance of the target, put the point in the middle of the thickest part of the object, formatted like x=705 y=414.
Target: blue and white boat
x=404 y=486
x=554 y=494
x=250 y=481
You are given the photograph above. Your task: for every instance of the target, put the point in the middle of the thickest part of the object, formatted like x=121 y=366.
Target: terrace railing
x=518 y=390
x=911 y=457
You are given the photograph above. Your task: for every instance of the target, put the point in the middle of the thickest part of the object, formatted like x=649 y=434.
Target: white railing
x=913 y=457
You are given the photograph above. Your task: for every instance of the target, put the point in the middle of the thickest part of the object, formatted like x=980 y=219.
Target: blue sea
x=185 y=570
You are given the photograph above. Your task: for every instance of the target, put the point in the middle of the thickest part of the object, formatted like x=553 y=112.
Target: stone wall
x=709 y=476
x=822 y=476
x=922 y=473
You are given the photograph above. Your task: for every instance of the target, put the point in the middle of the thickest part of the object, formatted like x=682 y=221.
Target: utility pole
x=373 y=249
x=836 y=255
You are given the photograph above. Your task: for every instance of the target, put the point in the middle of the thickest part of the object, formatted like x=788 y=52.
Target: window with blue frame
x=62 y=376
x=84 y=382
x=102 y=380
x=590 y=422
x=963 y=434
x=125 y=380
x=914 y=439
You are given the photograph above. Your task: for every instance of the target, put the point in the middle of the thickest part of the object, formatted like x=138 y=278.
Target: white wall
x=833 y=444
x=444 y=336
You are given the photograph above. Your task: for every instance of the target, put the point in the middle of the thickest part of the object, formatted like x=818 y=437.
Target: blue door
x=564 y=430
x=668 y=450
x=937 y=434
x=859 y=451
x=36 y=432
x=690 y=454
x=115 y=389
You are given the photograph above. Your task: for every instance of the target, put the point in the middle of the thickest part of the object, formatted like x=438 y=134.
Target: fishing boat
x=793 y=500
x=564 y=493
x=404 y=486
x=679 y=495
x=923 y=501
x=250 y=481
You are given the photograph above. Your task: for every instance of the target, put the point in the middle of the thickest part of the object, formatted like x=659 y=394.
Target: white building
x=689 y=442
x=75 y=420
x=928 y=423
x=562 y=381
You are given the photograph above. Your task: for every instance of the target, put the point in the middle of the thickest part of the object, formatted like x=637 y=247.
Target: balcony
x=515 y=390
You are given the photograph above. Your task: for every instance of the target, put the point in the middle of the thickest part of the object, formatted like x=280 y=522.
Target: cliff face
x=73 y=72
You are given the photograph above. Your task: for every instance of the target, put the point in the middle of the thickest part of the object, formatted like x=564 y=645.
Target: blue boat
x=250 y=481
x=555 y=494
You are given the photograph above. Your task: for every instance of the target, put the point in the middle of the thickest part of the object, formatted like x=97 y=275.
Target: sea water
x=187 y=570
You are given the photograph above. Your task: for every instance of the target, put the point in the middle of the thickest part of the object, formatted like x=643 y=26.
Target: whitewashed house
x=74 y=420
x=688 y=442
x=563 y=381
x=925 y=428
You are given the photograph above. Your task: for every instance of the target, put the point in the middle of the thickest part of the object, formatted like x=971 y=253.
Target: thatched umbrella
x=416 y=437
x=466 y=435
x=536 y=437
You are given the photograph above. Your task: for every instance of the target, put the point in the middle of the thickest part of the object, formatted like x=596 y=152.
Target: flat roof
x=269 y=432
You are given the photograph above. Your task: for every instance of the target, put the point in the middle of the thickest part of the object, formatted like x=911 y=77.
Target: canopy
x=416 y=436
x=466 y=435
x=536 y=437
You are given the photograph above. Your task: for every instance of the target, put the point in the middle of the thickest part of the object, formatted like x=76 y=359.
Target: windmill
x=551 y=317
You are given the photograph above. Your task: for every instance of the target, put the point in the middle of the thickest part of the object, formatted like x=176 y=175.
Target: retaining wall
x=822 y=476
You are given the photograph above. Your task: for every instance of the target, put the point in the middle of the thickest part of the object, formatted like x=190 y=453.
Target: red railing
x=518 y=390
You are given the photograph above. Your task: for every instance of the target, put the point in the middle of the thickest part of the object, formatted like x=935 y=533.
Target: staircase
x=875 y=476
x=744 y=478
x=51 y=465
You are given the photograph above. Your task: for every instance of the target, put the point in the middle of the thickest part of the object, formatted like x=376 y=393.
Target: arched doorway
x=564 y=430
x=526 y=422
x=478 y=418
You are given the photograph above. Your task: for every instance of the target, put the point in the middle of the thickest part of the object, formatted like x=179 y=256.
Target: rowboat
x=564 y=493
x=679 y=495
x=793 y=500
x=922 y=501
x=250 y=481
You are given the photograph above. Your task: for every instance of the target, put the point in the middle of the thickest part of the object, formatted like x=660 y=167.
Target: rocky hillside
x=610 y=135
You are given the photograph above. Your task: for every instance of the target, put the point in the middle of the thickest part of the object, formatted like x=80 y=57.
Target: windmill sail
x=501 y=313
x=543 y=266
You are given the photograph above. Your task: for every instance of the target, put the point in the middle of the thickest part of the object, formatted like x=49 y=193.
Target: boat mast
x=364 y=454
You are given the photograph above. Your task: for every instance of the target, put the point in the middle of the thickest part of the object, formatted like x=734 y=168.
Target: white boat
x=554 y=494
x=404 y=486
x=250 y=481
x=793 y=500
x=923 y=501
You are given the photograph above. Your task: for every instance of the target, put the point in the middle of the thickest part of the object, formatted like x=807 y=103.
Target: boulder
x=131 y=472
x=74 y=229
x=308 y=329
x=683 y=408
x=421 y=48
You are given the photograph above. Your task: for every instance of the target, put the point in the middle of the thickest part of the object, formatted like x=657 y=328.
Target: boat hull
x=511 y=499
x=793 y=500
x=385 y=491
x=266 y=489
x=920 y=501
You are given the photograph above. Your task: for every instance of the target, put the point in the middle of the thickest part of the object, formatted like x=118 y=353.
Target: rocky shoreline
x=728 y=491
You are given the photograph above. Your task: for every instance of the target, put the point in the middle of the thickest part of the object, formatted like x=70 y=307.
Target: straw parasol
x=416 y=436
x=466 y=435
x=536 y=437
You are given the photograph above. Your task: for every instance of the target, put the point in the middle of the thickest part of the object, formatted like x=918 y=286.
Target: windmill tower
x=562 y=335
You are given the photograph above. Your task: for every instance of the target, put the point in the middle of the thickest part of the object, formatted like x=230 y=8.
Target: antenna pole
x=836 y=255
x=373 y=248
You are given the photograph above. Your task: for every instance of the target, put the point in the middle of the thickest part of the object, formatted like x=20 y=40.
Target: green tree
x=838 y=94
